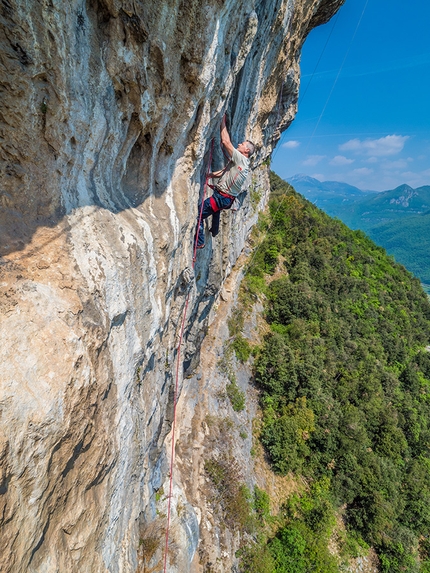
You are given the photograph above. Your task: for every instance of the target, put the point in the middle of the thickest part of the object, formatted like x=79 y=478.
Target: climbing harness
x=178 y=360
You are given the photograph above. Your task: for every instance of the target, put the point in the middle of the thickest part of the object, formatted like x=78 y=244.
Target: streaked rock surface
x=108 y=110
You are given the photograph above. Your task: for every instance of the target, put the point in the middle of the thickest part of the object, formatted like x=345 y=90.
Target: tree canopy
x=345 y=379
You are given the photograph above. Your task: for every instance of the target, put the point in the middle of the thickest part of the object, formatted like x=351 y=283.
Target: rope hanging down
x=175 y=396
x=249 y=263
x=178 y=360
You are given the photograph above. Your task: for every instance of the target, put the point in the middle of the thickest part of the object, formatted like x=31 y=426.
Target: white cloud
x=351 y=145
x=291 y=144
x=313 y=160
x=372 y=160
x=362 y=171
x=382 y=147
x=341 y=160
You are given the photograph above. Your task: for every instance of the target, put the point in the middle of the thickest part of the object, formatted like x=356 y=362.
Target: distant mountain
x=363 y=209
x=398 y=219
x=393 y=205
x=331 y=193
x=334 y=197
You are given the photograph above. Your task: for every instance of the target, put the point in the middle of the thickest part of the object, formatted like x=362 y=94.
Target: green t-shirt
x=235 y=174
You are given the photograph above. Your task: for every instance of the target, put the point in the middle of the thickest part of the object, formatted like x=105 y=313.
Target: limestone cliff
x=108 y=110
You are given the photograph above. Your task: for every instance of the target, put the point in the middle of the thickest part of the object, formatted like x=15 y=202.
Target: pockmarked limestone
x=108 y=110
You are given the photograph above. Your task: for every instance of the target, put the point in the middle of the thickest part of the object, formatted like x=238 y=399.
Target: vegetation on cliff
x=408 y=241
x=345 y=392
x=397 y=219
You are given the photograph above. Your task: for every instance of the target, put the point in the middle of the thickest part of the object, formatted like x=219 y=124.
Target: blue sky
x=374 y=131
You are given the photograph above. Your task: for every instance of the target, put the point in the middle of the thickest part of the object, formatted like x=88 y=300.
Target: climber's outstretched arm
x=225 y=138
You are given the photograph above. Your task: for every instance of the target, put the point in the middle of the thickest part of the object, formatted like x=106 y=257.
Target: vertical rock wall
x=108 y=110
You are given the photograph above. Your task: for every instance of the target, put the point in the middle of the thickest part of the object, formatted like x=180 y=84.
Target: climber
x=226 y=184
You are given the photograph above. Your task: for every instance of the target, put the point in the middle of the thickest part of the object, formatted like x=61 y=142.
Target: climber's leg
x=222 y=202
x=215 y=223
x=209 y=208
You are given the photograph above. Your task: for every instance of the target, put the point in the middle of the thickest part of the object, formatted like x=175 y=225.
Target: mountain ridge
x=363 y=209
x=396 y=218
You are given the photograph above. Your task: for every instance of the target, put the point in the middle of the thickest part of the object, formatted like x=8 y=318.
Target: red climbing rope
x=175 y=395
x=172 y=454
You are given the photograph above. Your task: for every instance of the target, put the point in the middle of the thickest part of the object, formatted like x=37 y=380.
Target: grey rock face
x=108 y=110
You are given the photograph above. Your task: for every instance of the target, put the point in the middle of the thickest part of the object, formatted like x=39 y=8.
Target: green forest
x=409 y=242
x=344 y=379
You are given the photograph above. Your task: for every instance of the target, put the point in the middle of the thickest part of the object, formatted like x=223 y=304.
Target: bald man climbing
x=226 y=184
